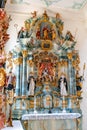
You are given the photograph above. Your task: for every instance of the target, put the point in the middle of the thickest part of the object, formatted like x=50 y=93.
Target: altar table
x=53 y=121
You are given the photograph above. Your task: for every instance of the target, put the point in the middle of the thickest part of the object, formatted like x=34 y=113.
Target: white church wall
x=81 y=46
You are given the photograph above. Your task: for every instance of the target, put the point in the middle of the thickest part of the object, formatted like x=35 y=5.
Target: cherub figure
x=34 y=14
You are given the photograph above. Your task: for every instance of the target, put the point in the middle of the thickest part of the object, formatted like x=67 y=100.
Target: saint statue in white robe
x=63 y=86
x=31 y=87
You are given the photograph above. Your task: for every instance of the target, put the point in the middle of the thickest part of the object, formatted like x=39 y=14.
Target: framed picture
x=46 y=45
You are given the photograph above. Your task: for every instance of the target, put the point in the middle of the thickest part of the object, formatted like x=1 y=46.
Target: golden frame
x=46 y=45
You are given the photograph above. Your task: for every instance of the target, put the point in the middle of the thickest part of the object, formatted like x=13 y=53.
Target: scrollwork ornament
x=24 y=53
x=18 y=61
x=2 y=77
x=30 y=63
x=74 y=63
x=70 y=55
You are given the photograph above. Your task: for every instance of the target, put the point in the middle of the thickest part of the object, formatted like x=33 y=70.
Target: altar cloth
x=45 y=116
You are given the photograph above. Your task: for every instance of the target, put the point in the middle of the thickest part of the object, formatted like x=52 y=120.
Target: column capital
x=70 y=55
x=18 y=61
x=24 y=53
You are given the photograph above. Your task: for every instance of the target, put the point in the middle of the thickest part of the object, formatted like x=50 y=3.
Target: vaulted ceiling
x=70 y=4
x=76 y=7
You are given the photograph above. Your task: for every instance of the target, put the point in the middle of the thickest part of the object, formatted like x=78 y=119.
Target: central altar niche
x=47 y=63
x=46 y=67
x=47 y=79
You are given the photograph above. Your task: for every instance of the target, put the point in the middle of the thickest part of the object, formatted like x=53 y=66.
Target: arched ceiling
x=70 y=4
x=67 y=8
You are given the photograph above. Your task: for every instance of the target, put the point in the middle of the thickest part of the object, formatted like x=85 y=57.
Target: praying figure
x=63 y=86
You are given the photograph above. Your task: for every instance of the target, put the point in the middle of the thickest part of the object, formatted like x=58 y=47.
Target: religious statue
x=11 y=80
x=23 y=33
x=38 y=33
x=63 y=85
x=27 y=25
x=3 y=3
x=69 y=36
x=45 y=32
x=31 y=84
x=34 y=14
x=2 y=77
x=53 y=34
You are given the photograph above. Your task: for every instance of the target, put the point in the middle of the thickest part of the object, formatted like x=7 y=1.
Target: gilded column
x=18 y=63
x=24 y=75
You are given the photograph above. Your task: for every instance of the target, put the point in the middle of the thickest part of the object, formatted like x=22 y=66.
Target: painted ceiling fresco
x=72 y=4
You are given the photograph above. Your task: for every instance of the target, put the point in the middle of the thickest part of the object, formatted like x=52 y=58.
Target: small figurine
x=69 y=36
x=38 y=33
x=45 y=16
x=53 y=34
x=34 y=14
x=63 y=86
x=79 y=80
x=11 y=80
x=58 y=16
x=45 y=32
x=27 y=25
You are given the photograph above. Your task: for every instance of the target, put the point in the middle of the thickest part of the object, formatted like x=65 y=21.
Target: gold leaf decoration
x=2 y=77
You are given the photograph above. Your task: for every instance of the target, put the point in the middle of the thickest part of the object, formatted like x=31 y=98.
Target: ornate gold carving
x=24 y=53
x=63 y=63
x=70 y=55
x=9 y=59
x=18 y=61
x=46 y=45
x=27 y=25
x=45 y=16
x=30 y=63
x=74 y=63
x=2 y=77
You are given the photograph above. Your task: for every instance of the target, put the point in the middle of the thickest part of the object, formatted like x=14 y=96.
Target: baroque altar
x=47 y=69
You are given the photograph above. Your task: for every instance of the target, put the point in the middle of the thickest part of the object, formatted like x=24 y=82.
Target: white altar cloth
x=51 y=116
x=16 y=126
